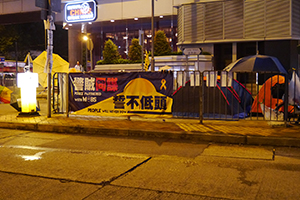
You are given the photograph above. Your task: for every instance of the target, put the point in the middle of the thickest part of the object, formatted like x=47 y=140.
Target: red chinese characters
x=107 y=84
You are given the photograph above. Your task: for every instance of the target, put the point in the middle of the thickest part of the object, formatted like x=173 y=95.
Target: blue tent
x=218 y=102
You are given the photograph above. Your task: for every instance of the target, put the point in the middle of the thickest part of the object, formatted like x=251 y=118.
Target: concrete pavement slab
x=100 y=167
x=243 y=131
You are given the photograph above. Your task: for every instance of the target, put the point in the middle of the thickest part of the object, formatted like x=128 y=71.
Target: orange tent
x=265 y=97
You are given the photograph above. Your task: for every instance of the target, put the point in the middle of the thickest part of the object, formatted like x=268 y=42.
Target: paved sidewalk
x=238 y=132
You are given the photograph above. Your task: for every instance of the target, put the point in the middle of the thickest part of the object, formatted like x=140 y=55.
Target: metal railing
x=234 y=96
x=59 y=93
x=220 y=95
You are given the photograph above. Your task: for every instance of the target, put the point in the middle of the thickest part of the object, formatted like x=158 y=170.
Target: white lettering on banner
x=78 y=83
x=86 y=99
x=78 y=99
x=92 y=94
x=89 y=84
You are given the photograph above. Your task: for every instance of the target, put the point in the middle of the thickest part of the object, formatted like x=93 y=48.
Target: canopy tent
x=270 y=95
x=218 y=102
x=59 y=65
x=5 y=94
x=256 y=63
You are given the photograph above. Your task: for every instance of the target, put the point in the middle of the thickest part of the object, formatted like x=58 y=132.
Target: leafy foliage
x=110 y=52
x=118 y=61
x=30 y=36
x=135 y=50
x=7 y=40
x=161 y=45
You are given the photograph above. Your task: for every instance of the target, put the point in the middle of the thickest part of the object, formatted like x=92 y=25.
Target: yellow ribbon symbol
x=163 y=84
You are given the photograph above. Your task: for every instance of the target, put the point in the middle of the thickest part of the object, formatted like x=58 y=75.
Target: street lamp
x=90 y=47
x=152 y=33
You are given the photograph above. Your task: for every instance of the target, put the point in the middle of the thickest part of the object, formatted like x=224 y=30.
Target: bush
x=205 y=53
x=110 y=52
x=135 y=50
x=161 y=45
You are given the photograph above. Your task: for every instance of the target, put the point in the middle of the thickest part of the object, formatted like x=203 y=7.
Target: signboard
x=2 y=58
x=84 y=11
x=121 y=94
x=192 y=51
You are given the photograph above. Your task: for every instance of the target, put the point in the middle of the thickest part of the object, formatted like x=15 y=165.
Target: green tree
x=110 y=52
x=135 y=50
x=30 y=36
x=161 y=45
x=8 y=38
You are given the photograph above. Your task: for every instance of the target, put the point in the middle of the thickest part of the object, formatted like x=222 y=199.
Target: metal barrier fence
x=60 y=92
x=221 y=95
x=231 y=96
x=7 y=81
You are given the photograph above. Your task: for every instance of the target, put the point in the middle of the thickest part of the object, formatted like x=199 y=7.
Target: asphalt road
x=36 y=165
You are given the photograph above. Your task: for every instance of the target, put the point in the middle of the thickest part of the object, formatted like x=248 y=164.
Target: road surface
x=38 y=165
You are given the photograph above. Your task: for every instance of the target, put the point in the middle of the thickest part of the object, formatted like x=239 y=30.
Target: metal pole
x=91 y=58
x=50 y=62
x=68 y=93
x=286 y=99
x=142 y=36
x=152 y=32
x=86 y=56
x=16 y=45
x=201 y=98
x=198 y=67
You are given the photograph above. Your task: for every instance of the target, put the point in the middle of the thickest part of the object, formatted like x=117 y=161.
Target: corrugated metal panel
x=234 y=19
x=214 y=21
x=180 y=16
x=254 y=19
x=277 y=18
x=296 y=18
x=187 y=22
x=200 y=22
x=194 y=22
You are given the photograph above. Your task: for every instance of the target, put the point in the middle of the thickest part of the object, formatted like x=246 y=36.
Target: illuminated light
x=90 y=23
x=149 y=36
x=170 y=39
x=161 y=16
x=125 y=37
x=28 y=82
x=85 y=38
x=176 y=34
x=36 y=156
x=70 y=24
x=112 y=20
x=136 y=18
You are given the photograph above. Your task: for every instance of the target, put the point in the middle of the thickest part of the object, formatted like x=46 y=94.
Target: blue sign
x=85 y=11
x=2 y=59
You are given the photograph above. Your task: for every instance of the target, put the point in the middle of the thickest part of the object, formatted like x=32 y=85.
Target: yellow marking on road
x=221 y=129
x=194 y=127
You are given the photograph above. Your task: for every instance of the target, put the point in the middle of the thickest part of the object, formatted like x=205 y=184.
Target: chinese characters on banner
x=121 y=94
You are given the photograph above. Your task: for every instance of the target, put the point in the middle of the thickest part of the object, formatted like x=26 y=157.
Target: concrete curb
x=181 y=135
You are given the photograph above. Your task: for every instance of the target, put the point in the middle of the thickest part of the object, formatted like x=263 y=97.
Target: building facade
x=228 y=29
x=231 y=29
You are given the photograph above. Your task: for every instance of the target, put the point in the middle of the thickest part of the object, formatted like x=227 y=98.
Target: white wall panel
x=11 y=7
x=29 y=6
x=137 y=8
x=109 y=11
